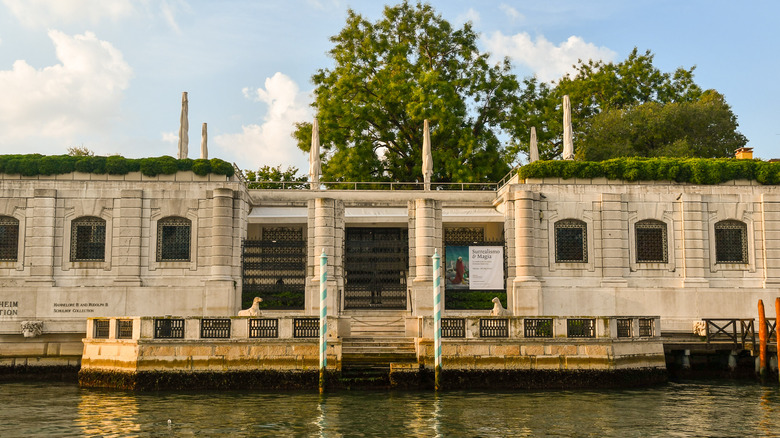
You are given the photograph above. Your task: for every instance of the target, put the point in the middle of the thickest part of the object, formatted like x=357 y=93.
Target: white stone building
x=83 y=245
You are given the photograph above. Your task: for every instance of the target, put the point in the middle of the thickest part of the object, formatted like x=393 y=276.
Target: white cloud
x=48 y=13
x=78 y=96
x=271 y=142
x=171 y=137
x=548 y=61
x=511 y=12
x=470 y=15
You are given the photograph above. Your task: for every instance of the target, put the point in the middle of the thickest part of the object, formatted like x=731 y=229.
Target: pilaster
x=128 y=247
x=614 y=240
x=40 y=237
x=694 y=230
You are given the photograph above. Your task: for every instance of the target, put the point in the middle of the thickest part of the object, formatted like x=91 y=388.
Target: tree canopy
x=630 y=108
x=388 y=77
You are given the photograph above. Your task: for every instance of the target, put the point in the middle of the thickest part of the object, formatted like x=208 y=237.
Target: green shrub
x=36 y=164
x=691 y=170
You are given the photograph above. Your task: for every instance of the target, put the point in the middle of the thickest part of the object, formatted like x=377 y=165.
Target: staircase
x=375 y=342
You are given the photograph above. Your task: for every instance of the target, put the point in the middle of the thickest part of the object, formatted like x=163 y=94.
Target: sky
x=108 y=75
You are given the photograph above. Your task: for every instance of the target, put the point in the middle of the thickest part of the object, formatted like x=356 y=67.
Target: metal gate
x=274 y=268
x=376 y=266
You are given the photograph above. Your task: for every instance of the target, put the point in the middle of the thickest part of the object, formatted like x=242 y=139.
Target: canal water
x=712 y=408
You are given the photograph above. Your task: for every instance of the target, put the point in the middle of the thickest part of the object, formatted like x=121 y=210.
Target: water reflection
x=686 y=409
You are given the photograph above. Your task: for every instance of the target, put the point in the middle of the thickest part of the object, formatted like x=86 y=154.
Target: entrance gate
x=376 y=266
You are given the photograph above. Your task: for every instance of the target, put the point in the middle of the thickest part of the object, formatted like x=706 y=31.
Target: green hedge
x=683 y=170
x=36 y=164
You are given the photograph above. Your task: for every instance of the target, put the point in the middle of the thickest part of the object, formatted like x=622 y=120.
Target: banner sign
x=474 y=268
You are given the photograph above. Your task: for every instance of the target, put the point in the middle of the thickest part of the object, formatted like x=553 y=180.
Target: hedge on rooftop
x=706 y=171
x=36 y=164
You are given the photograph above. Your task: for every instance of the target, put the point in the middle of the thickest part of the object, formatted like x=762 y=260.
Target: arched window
x=731 y=242
x=571 y=244
x=651 y=242
x=173 y=239
x=9 y=239
x=88 y=239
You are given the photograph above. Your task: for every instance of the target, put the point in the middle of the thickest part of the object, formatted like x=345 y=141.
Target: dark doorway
x=376 y=267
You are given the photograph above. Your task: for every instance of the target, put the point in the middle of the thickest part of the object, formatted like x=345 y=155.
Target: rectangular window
x=173 y=240
x=9 y=239
x=651 y=242
x=570 y=242
x=731 y=242
x=88 y=240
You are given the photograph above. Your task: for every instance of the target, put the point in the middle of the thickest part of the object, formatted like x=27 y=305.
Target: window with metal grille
x=264 y=328
x=581 y=328
x=464 y=235
x=731 y=242
x=101 y=328
x=169 y=328
x=493 y=328
x=646 y=326
x=571 y=245
x=274 y=268
x=88 y=240
x=306 y=327
x=624 y=328
x=173 y=239
x=453 y=328
x=538 y=327
x=9 y=239
x=124 y=329
x=215 y=328
x=651 y=243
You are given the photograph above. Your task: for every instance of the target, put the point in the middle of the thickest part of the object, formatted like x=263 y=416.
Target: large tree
x=388 y=77
x=607 y=97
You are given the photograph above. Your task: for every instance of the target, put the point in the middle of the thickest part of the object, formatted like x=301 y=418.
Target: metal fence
x=124 y=329
x=264 y=328
x=306 y=327
x=624 y=328
x=169 y=328
x=538 y=327
x=453 y=327
x=101 y=328
x=215 y=328
x=581 y=328
x=494 y=328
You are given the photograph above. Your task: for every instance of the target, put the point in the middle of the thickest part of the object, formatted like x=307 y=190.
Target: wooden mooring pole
x=762 y=332
x=437 y=320
x=777 y=335
x=323 y=319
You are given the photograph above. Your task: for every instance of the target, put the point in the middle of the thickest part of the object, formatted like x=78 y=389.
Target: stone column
x=614 y=241
x=425 y=235
x=770 y=211
x=694 y=231
x=221 y=234
x=40 y=237
x=128 y=247
x=525 y=290
x=325 y=210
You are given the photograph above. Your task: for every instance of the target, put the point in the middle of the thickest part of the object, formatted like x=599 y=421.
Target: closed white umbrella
x=568 y=142
x=315 y=167
x=533 y=150
x=427 y=157
x=204 y=140
x=184 y=126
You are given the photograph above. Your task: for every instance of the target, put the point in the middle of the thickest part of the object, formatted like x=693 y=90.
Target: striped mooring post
x=762 y=339
x=323 y=318
x=777 y=335
x=437 y=319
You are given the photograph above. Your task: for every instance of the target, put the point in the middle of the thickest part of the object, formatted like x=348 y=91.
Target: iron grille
x=264 y=328
x=215 y=328
x=571 y=244
x=494 y=328
x=624 y=328
x=376 y=264
x=581 y=328
x=9 y=239
x=306 y=327
x=453 y=328
x=651 y=243
x=101 y=328
x=646 y=327
x=169 y=328
x=173 y=239
x=88 y=240
x=464 y=235
x=538 y=327
x=731 y=242
x=274 y=268
x=469 y=299
x=124 y=329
